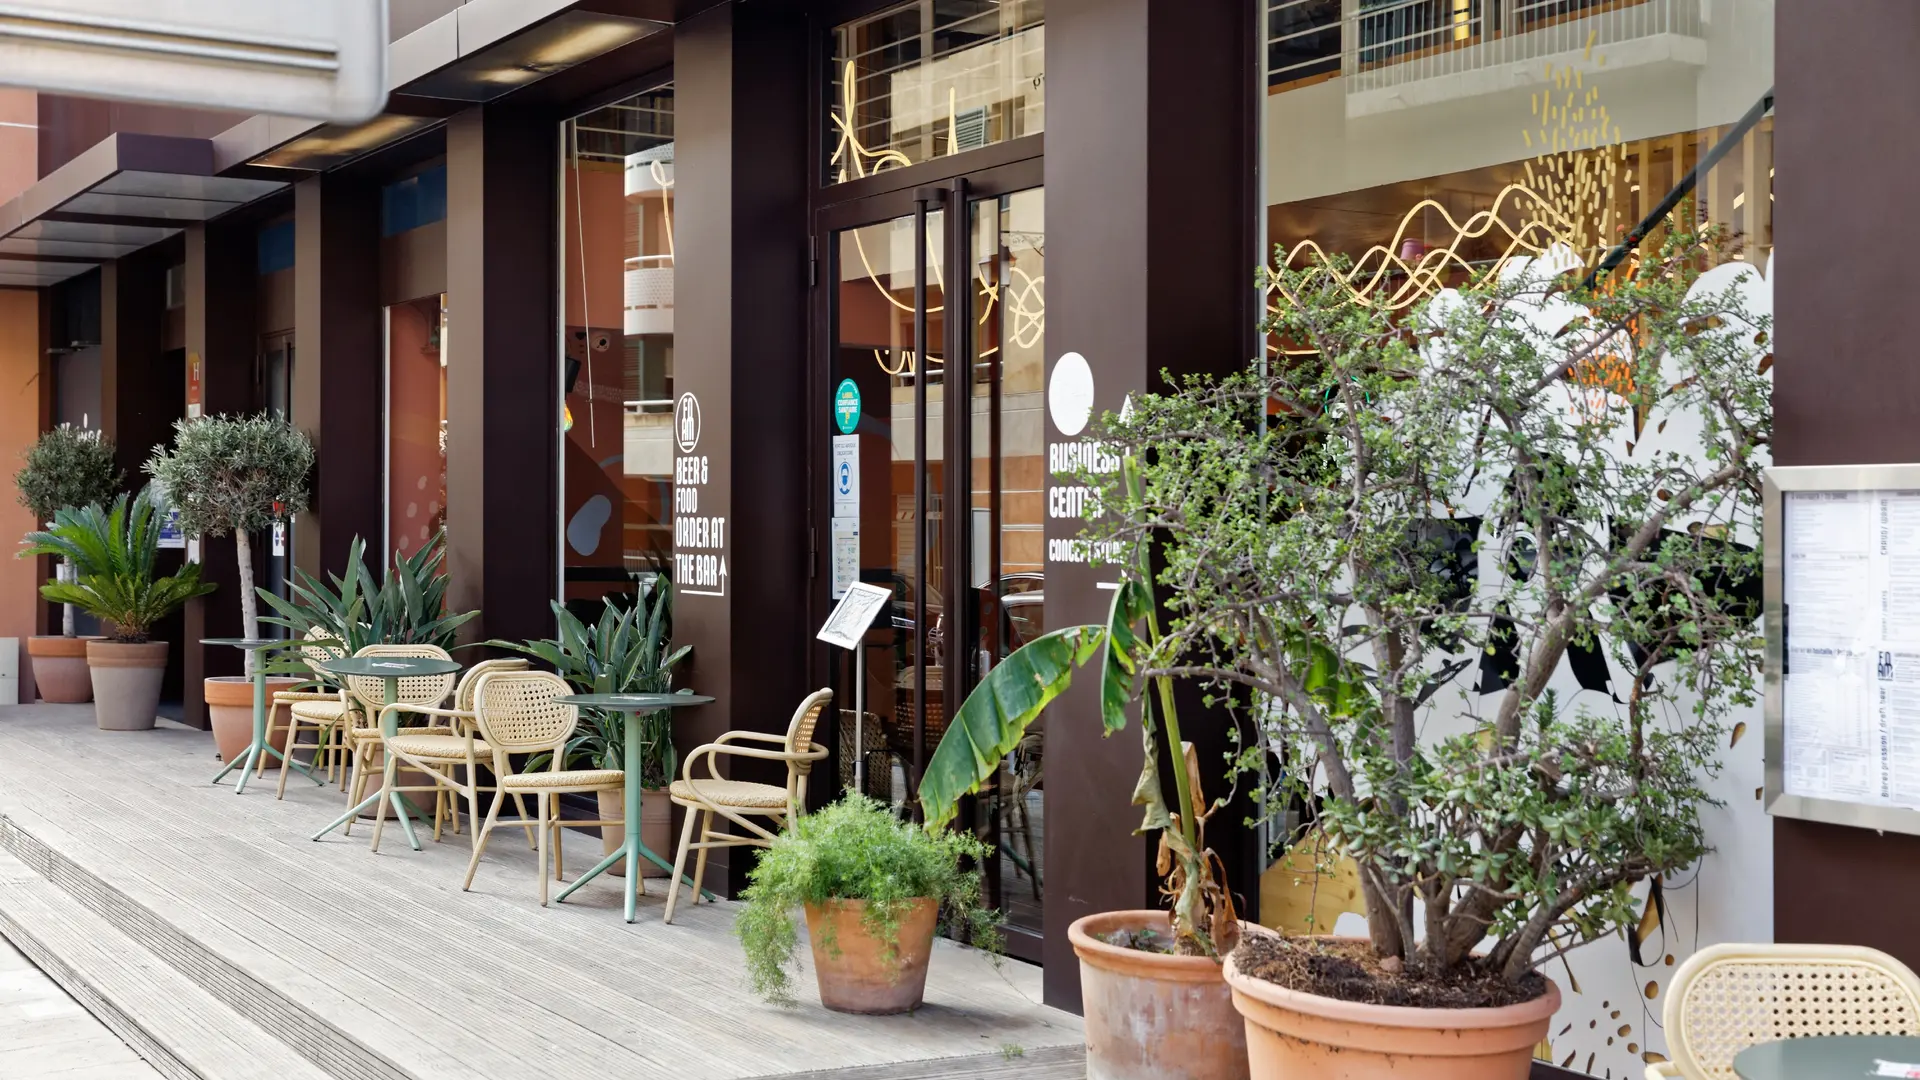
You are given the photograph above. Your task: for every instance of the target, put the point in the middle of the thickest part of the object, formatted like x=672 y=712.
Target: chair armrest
x=462 y=720
x=1665 y=1070
x=714 y=749
x=756 y=736
x=304 y=695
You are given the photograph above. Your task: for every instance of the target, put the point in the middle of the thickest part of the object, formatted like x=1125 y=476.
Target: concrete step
x=182 y=1031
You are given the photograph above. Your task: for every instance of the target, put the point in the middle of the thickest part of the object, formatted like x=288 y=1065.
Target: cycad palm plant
x=353 y=611
x=114 y=553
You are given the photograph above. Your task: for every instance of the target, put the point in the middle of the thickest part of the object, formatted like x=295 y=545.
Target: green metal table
x=391 y=669
x=630 y=706
x=1827 y=1057
x=260 y=745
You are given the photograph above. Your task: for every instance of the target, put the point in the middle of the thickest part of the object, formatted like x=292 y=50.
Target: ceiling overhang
x=128 y=191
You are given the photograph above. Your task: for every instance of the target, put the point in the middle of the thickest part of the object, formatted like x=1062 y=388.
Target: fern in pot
x=628 y=651
x=114 y=551
x=66 y=468
x=874 y=891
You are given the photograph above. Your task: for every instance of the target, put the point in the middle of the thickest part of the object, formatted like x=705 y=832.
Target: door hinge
x=813 y=262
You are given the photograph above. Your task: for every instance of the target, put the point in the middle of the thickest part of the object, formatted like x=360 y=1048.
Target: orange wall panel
x=20 y=355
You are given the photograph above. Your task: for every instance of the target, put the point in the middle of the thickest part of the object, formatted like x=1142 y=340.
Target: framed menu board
x=1842 y=560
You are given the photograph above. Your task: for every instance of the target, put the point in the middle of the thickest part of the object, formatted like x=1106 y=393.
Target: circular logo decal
x=846 y=406
x=686 y=422
x=1070 y=394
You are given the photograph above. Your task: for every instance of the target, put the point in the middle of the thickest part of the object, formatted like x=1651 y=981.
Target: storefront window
x=617 y=303
x=416 y=424
x=922 y=80
x=1429 y=142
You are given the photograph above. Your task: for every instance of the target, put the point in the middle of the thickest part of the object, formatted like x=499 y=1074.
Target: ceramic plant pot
x=851 y=966
x=60 y=668
x=1294 y=1034
x=230 y=713
x=126 y=683
x=656 y=827
x=1154 y=1016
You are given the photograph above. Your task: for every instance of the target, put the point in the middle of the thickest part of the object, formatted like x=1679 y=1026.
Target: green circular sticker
x=846 y=406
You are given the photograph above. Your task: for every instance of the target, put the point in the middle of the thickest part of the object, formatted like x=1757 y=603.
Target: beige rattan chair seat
x=326 y=712
x=730 y=793
x=575 y=779
x=436 y=747
x=361 y=735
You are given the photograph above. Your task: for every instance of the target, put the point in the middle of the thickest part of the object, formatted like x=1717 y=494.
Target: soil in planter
x=1349 y=971
x=1144 y=940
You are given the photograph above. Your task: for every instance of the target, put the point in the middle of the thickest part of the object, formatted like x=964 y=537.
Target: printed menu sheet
x=1851 y=585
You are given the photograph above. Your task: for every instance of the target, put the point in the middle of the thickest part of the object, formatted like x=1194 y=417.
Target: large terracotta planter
x=854 y=973
x=1154 y=1016
x=1294 y=1034
x=230 y=713
x=656 y=827
x=126 y=683
x=60 y=668
x=406 y=776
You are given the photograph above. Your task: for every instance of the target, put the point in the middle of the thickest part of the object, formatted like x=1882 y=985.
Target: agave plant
x=114 y=552
x=626 y=652
x=353 y=611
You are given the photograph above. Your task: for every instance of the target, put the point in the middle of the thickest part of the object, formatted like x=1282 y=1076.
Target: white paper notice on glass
x=1850 y=587
x=854 y=614
x=846 y=476
x=846 y=555
x=279 y=539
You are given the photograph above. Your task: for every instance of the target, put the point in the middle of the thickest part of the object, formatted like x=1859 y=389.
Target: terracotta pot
x=1293 y=1034
x=1154 y=1016
x=854 y=974
x=656 y=827
x=126 y=683
x=60 y=668
x=407 y=777
x=230 y=713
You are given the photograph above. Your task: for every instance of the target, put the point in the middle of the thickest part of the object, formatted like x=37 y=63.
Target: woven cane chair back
x=805 y=719
x=429 y=690
x=469 y=682
x=518 y=712
x=1726 y=998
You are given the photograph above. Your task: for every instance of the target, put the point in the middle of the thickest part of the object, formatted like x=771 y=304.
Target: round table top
x=635 y=702
x=390 y=667
x=1826 y=1057
x=243 y=643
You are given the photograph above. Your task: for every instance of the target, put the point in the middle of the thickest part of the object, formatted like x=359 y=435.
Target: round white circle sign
x=1070 y=394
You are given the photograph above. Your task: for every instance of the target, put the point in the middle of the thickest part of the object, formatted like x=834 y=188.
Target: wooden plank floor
x=46 y=1035
x=435 y=982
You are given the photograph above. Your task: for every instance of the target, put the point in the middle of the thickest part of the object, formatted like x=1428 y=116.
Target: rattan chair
x=364 y=737
x=323 y=712
x=517 y=714
x=739 y=801
x=437 y=755
x=1726 y=998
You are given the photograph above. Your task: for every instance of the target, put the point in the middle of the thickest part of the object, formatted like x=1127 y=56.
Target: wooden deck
x=376 y=966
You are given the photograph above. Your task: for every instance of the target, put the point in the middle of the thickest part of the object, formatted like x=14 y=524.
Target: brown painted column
x=503 y=372
x=1149 y=171
x=1846 y=388
x=219 y=318
x=142 y=392
x=337 y=366
x=739 y=341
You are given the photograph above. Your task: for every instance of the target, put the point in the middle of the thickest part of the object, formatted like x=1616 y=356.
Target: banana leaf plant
x=628 y=651
x=352 y=611
x=114 y=553
x=1012 y=695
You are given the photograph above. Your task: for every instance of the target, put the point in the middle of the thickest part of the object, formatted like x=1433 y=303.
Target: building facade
x=771 y=296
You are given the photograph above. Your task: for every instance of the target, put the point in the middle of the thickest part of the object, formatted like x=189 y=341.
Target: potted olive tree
x=66 y=467
x=874 y=890
x=115 y=551
x=235 y=475
x=628 y=651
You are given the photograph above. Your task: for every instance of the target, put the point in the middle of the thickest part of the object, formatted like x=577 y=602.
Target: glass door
x=937 y=321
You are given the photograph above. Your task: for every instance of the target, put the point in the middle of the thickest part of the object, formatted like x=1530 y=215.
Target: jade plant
x=67 y=468
x=235 y=475
x=855 y=849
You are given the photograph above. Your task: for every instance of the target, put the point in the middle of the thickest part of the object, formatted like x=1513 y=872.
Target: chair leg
x=356 y=780
x=700 y=864
x=559 y=830
x=541 y=800
x=386 y=796
x=520 y=804
x=680 y=861
x=480 y=835
x=293 y=736
x=473 y=808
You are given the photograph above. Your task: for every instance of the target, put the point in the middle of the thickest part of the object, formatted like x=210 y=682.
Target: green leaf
x=1132 y=602
x=998 y=712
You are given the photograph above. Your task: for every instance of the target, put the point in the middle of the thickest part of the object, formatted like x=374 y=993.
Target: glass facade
x=616 y=279
x=925 y=80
